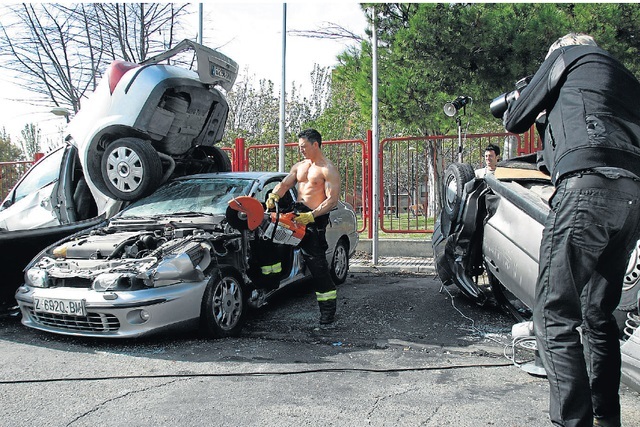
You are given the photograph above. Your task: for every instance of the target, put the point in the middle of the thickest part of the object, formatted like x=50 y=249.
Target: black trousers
x=587 y=239
x=314 y=247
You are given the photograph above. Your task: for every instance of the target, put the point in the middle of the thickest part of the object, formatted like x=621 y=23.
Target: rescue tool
x=246 y=213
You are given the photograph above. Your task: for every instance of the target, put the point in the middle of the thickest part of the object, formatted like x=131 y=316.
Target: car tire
x=339 y=268
x=455 y=178
x=224 y=305
x=631 y=284
x=131 y=168
x=221 y=159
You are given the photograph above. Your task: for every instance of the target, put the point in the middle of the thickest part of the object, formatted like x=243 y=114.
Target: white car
x=144 y=124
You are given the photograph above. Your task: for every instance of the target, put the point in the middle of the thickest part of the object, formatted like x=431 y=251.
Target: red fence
x=405 y=173
x=405 y=177
x=10 y=173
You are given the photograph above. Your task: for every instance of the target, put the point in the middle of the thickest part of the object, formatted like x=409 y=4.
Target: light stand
x=452 y=109
x=459 y=123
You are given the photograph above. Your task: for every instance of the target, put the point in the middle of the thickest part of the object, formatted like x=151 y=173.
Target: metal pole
x=200 y=7
x=397 y=184
x=375 y=211
x=283 y=92
x=459 y=121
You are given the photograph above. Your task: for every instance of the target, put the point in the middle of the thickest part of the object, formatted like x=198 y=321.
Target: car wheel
x=221 y=159
x=131 y=168
x=340 y=263
x=455 y=178
x=630 y=286
x=224 y=305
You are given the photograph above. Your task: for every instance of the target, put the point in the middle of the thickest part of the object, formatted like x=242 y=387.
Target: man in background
x=491 y=154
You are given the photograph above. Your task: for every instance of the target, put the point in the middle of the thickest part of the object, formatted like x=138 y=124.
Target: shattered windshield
x=190 y=196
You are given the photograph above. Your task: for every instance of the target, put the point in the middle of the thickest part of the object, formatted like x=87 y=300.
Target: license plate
x=60 y=306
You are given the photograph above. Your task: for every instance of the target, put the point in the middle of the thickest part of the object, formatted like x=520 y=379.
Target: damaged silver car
x=179 y=257
x=143 y=124
x=492 y=227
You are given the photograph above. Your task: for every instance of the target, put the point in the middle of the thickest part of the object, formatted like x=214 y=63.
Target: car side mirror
x=6 y=204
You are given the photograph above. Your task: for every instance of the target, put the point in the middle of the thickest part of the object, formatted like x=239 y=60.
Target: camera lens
x=500 y=104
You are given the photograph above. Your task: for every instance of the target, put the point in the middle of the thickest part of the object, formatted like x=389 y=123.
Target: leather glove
x=304 y=218
x=272 y=200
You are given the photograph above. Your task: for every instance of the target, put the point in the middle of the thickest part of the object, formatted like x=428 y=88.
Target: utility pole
x=200 y=12
x=375 y=191
x=283 y=92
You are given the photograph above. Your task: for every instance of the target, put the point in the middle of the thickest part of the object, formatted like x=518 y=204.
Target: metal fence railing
x=10 y=173
x=410 y=169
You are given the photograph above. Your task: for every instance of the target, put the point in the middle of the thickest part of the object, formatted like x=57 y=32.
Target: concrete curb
x=412 y=248
x=395 y=256
x=393 y=265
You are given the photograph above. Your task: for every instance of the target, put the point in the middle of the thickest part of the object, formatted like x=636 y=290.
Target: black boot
x=327 y=311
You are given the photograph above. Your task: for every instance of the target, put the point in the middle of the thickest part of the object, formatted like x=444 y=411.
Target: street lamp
x=61 y=111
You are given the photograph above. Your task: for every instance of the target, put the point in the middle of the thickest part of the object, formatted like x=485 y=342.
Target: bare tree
x=328 y=30
x=58 y=51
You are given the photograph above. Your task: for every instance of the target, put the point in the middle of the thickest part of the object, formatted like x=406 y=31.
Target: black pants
x=588 y=237
x=314 y=247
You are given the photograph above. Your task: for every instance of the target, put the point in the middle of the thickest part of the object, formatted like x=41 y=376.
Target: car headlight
x=116 y=282
x=175 y=269
x=36 y=277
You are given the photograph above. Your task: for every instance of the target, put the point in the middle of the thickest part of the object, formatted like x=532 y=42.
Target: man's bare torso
x=311 y=184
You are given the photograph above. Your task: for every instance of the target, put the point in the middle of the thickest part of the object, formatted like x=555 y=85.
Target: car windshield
x=190 y=196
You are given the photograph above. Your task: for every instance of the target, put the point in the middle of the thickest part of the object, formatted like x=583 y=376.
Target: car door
x=32 y=203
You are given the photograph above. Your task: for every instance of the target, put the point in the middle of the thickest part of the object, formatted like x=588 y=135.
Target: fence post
x=37 y=156
x=240 y=164
x=369 y=168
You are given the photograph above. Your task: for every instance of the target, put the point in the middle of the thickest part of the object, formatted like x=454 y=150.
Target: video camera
x=500 y=104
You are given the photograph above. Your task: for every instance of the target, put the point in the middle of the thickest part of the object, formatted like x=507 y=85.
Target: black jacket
x=593 y=111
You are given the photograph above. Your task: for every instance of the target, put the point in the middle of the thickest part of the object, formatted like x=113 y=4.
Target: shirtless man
x=318 y=183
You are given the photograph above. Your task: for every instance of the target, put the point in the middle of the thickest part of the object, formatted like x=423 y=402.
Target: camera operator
x=591 y=147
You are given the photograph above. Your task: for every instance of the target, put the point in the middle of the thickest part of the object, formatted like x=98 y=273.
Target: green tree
x=428 y=54
x=9 y=152
x=31 y=140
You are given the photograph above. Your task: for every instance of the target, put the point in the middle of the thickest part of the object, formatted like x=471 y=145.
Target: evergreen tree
x=9 y=152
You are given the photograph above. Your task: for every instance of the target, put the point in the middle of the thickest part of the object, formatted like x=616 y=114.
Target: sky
x=248 y=32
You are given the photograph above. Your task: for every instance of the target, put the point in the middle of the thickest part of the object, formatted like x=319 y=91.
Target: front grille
x=71 y=282
x=92 y=322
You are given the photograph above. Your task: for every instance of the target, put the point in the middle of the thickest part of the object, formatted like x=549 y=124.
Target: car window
x=197 y=195
x=43 y=173
x=263 y=194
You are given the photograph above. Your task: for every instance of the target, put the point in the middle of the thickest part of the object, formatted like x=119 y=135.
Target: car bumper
x=115 y=314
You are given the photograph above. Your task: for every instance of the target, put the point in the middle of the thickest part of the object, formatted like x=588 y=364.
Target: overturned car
x=179 y=257
x=492 y=227
x=144 y=124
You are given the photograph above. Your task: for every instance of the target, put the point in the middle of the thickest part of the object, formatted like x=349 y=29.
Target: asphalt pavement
x=403 y=351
